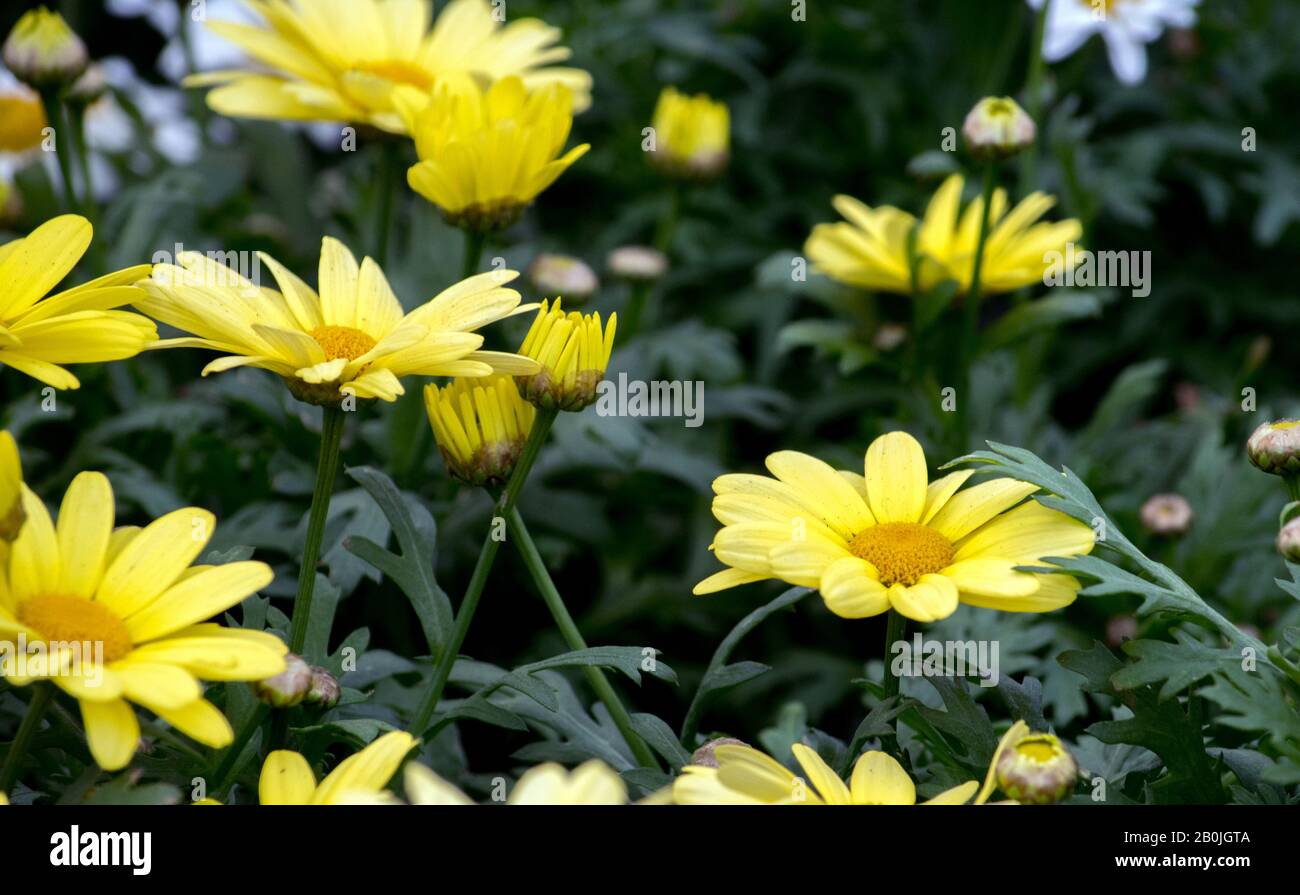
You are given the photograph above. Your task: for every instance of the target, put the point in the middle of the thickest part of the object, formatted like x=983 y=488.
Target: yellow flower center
x=399 y=72
x=75 y=620
x=1104 y=5
x=342 y=341
x=902 y=551
x=22 y=120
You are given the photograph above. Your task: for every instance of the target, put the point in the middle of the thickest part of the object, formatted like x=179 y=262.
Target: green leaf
x=660 y=737
x=1179 y=664
x=1039 y=314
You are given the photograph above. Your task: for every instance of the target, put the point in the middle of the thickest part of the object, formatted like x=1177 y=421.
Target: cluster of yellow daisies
x=489 y=115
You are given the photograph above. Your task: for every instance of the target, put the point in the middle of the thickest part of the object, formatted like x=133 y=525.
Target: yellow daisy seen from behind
x=692 y=135
x=888 y=538
x=12 y=514
x=349 y=338
x=342 y=60
x=869 y=248
x=117 y=616
x=40 y=332
x=287 y=778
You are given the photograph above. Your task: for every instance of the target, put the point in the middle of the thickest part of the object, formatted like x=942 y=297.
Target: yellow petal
x=198 y=596
x=896 y=478
x=154 y=558
x=367 y=771
x=828 y=784
x=969 y=509
x=286 y=780
x=85 y=527
x=852 y=589
x=932 y=597
x=878 y=779
x=112 y=732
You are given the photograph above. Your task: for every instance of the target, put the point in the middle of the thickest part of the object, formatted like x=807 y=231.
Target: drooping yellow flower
x=22 y=121
x=351 y=338
x=573 y=351
x=591 y=783
x=486 y=155
x=887 y=540
x=341 y=60
x=692 y=135
x=43 y=51
x=870 y=248
x=78 y=326
x=287 y=778
x=745 y=776
x=480 y=426
x=116 y=616
x=12 y=514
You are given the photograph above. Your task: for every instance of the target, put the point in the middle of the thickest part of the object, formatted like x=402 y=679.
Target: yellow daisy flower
x=745 y=776
x=22 y=121
x=486 y=155
x=77 y=326
x=351 y=338
x=480 y=426
x=341 y=60
x=287 y=779
x=888 y=540
x=692 y=134
x=870 y=249
x=591 y=783
x=115 y=616
x=12 y=515
x=573 y=351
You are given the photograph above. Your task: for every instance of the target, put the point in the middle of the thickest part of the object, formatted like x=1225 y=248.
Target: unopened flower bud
x=324 y=690
x=573 y=350
x=88 y=88
x=1121 y=628
x=637 y=264
x=705 y=756
x=1288 y=540
x=889 y=336
x=480 y=425
x=1275 y=447
x=563 y=275
x=43 y=51
x=997 y=128
x=289 y=687
x=692 y=136
x=1166 y=515
x=1037 y=770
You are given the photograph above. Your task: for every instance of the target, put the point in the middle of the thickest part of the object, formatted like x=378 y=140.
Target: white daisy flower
x=1126 y=26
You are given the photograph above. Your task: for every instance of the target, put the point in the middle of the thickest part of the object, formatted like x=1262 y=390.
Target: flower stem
x=486 y=556
x=573 y=638
x=390 y=169
x=327 y=466
x=971 y=309
x=42 y=694
x=895 y=630
x=62 y=134
x=630 y=321
x=235 y=749
x=668 y=223
x=1033 y=102
x=474 y=242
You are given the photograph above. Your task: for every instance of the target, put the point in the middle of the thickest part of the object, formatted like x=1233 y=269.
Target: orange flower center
x=75 y=620
x=902 y=551
x=399 y=72
x=342 y=341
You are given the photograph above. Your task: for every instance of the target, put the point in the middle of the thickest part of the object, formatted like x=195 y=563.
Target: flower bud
x=889 y=336
x=1275 y=447
x=997 y=128
x=1288 y=540
x=705 y=756
x=88 y=88
x=43 y=51
x=573 y=350
x=637 y=264
x=563 y=275
x=324 y=690
x=1166 y=515
x=1120 y=628
x=480 y=425
x=1037 y=770
x=692 y=136
x=289 y=687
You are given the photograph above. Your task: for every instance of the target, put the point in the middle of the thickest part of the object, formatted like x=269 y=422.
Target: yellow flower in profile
x=890 y=539
x=77 y=326
x=480 y=426
x=573 y=351
x=870 y=248
x=692 y=135
x=116 y=616
x=287 y=778
x=745 y=776
x=350 y=339
x=591 y=783
x=342 y=60
x=486 y=155
x=12 y=514
x=43 y=51
x=22 y=121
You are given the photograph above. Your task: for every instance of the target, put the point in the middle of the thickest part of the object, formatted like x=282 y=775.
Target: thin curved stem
x=327 y=466
x=971 y=308
x=42 y=694
x=474 y=243
x=235 y=749
x=895 y=630
x=573 y=638
x=482 y=567
x=62 y=134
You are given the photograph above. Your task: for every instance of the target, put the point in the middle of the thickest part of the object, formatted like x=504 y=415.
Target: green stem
x=42 y=693
x=390 y=164
x=668 y=223
x=632 y=317
x=474 y=242
x=198 y=108
x=327 y=465
x=971 y=310
x=486 y=556
x=895 y=630
x=62 y=135
x=236 y=749
x=573 y=638
x=1033 y=103
x=1292 y=486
